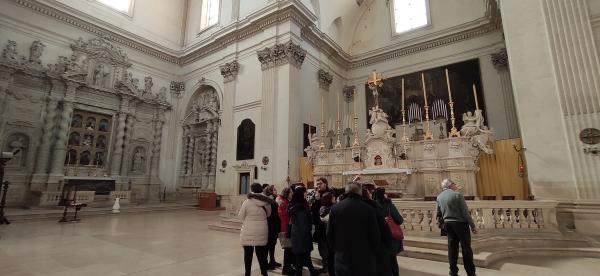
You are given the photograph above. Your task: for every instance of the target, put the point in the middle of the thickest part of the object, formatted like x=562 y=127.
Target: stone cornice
x=288 y=13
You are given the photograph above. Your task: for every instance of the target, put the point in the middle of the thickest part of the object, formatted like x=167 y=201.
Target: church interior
x=146 y=121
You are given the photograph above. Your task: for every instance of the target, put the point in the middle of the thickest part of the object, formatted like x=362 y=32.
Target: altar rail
x=489 y=216
x=52 y=198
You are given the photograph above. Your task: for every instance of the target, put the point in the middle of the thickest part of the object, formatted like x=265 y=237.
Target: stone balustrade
x=124 y=196
x=489 y=216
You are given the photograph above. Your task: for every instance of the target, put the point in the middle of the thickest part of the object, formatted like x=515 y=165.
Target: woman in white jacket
x=254 y=234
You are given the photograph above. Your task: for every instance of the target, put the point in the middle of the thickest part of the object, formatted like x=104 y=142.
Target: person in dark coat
x=353 y=233
x=320 y=227
x=383 y=265
x=386 y=207
x=327 y=202
x=274 y=225
x=300 y=232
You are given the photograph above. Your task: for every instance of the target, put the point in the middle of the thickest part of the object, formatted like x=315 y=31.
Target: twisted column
x=184 y=145
x=60 y=147
x=41 y=166
x=126 y=144
x=156 y=144
x=118 y=151
x=190 y=154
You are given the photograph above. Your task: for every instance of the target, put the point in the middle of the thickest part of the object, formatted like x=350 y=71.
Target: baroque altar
x=408 y=167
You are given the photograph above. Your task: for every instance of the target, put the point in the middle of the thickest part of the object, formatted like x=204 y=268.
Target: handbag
x=396 y=230
x=285 y=241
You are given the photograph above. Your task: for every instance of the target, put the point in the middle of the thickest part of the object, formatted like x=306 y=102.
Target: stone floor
x=179 y=243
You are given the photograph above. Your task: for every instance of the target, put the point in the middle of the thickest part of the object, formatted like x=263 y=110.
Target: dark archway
x=245 y=140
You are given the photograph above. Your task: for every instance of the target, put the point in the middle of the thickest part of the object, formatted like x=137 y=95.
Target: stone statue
x=479 y=120
x=138 y=160
x=313 y=140
x=470 y=126
x=148 y=83
x=17 y=144
x=98 y=77
x=10 y=52
x=162 y=94
x=35 y=52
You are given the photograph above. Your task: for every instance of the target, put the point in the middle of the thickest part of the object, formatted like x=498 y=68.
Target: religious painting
x=378 y=161
x=103 y=125
x=90 y=124
x=245 y=140
x=77 y=121
x=462 y=75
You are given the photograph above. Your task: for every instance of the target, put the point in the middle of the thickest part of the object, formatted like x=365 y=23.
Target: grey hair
x=354 y=187
x=446 y=183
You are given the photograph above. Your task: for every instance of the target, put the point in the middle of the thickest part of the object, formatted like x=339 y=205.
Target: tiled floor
x=179 y=243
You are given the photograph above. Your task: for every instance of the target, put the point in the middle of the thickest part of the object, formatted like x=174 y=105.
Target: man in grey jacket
x=452 y=210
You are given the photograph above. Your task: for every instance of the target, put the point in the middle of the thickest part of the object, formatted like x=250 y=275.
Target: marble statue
x=162 y=94
x=470 y=126
x=148 y=83
x=10 y=52
x=313 y=140
x=17 y=144
x=35 y=52
x=98 y=78
x=138 y=160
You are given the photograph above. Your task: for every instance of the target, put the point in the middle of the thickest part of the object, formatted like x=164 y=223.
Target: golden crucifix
x=375 y=81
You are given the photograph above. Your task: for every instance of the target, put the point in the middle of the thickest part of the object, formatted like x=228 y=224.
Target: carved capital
x=229 y=70
x=325 y=79
x=177 y=89
x=500 y=59
x=280 y=54
x=349 y=93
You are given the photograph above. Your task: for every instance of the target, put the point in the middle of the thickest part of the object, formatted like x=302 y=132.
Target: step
x=440 y=255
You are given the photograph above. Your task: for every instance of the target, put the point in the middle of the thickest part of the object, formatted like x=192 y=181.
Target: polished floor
x=179 y=243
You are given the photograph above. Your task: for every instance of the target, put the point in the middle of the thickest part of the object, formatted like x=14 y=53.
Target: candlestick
x=322 y=144
x=453 y=131
x=338 y=106
x=404 y=138
x=475 y=95
x=428 y=135
x=356 y=142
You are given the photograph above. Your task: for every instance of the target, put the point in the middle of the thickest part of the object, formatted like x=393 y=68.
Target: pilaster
x=500 y=62
x=225 y=182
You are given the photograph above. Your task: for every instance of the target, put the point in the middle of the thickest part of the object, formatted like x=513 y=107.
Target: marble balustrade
x=489 y=216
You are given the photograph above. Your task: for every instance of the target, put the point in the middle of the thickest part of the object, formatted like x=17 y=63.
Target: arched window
x=245 y=140
x=410 y=15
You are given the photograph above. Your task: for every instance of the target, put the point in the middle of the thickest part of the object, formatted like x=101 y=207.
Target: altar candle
x=475 y=95
x=424 y=89
x=322 y=109
x=374 y=75
x=354 y=97
x=309 y=122
x=448 y=83
x=338 y=107
x=402 y=93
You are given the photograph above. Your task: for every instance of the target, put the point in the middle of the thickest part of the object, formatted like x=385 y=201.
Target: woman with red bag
x=283 y=201
x=386 y=206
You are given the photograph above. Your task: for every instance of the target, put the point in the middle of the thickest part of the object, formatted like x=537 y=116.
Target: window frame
x=208 y=27
x=393 y=19
x=128 y=13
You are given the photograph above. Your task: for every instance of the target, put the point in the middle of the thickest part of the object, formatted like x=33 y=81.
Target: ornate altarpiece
x=84 y=118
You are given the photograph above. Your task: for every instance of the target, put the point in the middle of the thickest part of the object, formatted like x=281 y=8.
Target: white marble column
x=156 y=143
x=555 y=74
x=224 y=142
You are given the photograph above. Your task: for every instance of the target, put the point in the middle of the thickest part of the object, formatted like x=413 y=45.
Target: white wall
x=158 y=21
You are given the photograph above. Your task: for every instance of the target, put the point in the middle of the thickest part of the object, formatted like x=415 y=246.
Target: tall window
x=210 y=13
x=119 y=5
x=410 y=15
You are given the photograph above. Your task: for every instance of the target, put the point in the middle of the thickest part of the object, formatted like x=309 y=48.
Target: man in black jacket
x=354 y=234
x=320 y=227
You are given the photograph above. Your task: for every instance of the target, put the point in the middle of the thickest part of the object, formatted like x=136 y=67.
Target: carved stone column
x=156 y=145
x=119 y=141
x=41 y=166
x=125 y=164
x=190 y=153
x=60 y=147
x=500 y=61
x=184 y=145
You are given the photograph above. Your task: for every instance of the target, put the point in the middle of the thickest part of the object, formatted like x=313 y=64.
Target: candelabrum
x=453 y=131
x=322 y=145
x=404 y=138
x=428 y=134
x=338 y=142
x=356 y=142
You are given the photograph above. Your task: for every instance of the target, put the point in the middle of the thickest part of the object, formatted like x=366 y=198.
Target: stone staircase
x=488 y=248
x=51 y=213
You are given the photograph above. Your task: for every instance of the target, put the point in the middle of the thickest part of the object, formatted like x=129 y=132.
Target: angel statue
x=470 y=125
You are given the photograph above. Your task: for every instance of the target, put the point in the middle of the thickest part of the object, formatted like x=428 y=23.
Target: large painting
x=462 y=77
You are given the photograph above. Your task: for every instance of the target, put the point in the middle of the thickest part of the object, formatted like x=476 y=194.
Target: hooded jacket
x=253 y=214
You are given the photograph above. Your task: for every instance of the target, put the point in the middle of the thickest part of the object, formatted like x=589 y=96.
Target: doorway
x=244 y=183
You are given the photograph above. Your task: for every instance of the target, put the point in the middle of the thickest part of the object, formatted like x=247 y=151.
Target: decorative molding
x=292 y=13
x=229 y=70
x=325 y=79
x=247 y=106
x=348 y=92
x=280 y=54
x=177 y=89
x=500 y=59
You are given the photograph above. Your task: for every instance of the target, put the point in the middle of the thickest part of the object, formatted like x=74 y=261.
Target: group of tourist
x=356 y=230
